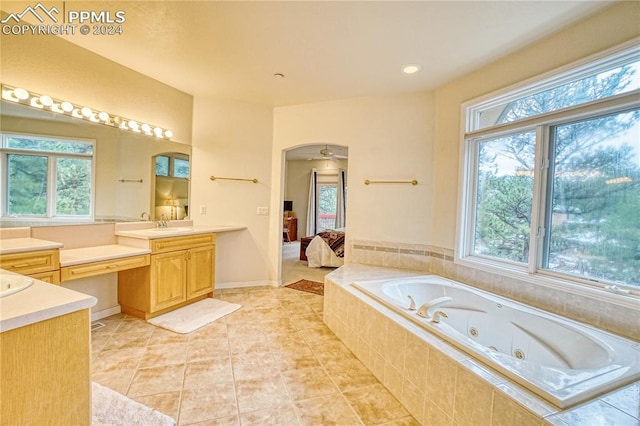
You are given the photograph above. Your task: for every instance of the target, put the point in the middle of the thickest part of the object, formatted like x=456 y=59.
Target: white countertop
x=152 y=233
x=20 y=245
x=98 y=253
x=39 y=302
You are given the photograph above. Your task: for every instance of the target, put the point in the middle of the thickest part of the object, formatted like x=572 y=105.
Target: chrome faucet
x=436 y=316
x=412 y=303
x=427 y=309
x=142 y=217
x=162 y=223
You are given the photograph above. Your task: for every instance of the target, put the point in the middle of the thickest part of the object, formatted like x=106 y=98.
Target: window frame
x=542 y=123
x=51 y=156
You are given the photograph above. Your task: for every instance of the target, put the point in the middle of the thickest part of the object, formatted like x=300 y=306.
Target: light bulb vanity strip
x=369 y=182
x=22 y=96
x=228 y=178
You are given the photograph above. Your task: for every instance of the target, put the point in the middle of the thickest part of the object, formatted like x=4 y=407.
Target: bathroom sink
x=10 y=284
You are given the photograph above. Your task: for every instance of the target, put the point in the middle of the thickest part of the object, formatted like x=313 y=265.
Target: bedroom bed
x=326 y=249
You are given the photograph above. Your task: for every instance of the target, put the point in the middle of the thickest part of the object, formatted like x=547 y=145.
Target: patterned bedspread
x=335 y=240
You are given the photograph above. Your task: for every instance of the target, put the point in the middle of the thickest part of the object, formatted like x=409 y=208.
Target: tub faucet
x=427 y=309
x=436 y=316
x=412 y=303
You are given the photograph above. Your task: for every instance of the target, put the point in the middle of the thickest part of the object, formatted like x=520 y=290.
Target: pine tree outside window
x=552 y=175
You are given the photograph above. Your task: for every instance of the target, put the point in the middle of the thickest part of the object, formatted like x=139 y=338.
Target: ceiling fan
x=327 y=154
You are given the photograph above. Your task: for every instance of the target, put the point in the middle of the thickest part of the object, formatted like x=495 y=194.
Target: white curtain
x=341 y=208
x=312 y=211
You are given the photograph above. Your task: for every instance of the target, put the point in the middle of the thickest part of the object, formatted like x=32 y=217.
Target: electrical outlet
x=263 y=211
x=203 y=209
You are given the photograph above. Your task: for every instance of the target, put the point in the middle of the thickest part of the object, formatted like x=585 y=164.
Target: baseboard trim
x=105 y=313
x=241 y=284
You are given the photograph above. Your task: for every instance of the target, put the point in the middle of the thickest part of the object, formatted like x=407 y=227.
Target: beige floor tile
x=259 y=394
x=217 y=402
x=326 y=410
x=375 y=405
x=208 y=349
x=160 y=336
x=133 y=339
x=116 y=360
x=204 y=374
x=350 y=375
x=284 y=415
x=166 y=402
x=164 y=355
x=406 y=421
x=257 y=365
x=134 y=325
x=245 y=368
x=223 y=421
x=307 y=383
x=118 y=380
x=149 y=381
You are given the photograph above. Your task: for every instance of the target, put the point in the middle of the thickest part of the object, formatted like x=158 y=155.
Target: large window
x=46 y=177
x=552 y=183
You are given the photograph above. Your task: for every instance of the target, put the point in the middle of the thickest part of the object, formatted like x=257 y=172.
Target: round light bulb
x=46 y=100
x=66 y=106
x=168 y=133
x=86 y=111
x=158 y=132
x=133 y=124
x=146 y=128
x=20 y=93
x=103 y=116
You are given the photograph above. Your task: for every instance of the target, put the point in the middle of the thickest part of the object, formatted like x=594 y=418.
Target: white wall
x=389 y=138
x=233 y=139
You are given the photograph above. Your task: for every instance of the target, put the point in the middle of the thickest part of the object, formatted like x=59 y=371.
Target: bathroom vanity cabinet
x=181 y=271
x=43 y=265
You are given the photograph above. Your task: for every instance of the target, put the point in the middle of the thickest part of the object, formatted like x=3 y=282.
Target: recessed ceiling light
x=411 y=68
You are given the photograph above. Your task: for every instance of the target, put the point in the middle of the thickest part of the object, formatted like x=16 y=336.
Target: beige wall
x=389 y=138
x=53 y=66
x=613 y=26
x=233 y=139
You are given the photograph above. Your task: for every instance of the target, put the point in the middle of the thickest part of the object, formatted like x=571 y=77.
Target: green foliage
x=594 y=224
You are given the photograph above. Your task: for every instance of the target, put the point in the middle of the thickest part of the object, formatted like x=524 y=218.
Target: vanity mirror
x=124 y=182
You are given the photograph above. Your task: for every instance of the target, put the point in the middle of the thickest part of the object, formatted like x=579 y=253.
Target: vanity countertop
x=39 y=302
x=153 y=233
x=84 y=255
x=21 y=245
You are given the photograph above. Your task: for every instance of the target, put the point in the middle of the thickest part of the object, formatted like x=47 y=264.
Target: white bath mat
x=113 y=409
x=194 y=316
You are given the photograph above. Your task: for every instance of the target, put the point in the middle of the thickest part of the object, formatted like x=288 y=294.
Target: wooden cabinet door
x=168 y=279
x=200 y=269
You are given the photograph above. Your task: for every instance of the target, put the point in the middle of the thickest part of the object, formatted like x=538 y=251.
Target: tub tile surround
x=439 y=261
x=439 y=384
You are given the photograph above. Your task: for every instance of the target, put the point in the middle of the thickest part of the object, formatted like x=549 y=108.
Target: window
x=172 y=165
x=327 y=204
x=552 y=183
x=46 y=177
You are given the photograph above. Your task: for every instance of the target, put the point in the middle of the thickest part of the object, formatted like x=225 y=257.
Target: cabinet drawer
x=31 y=262
x=98 y=268
x=52 y=277
x=164 y=245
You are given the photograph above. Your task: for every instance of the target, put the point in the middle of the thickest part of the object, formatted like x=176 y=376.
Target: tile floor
x=273 y=362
